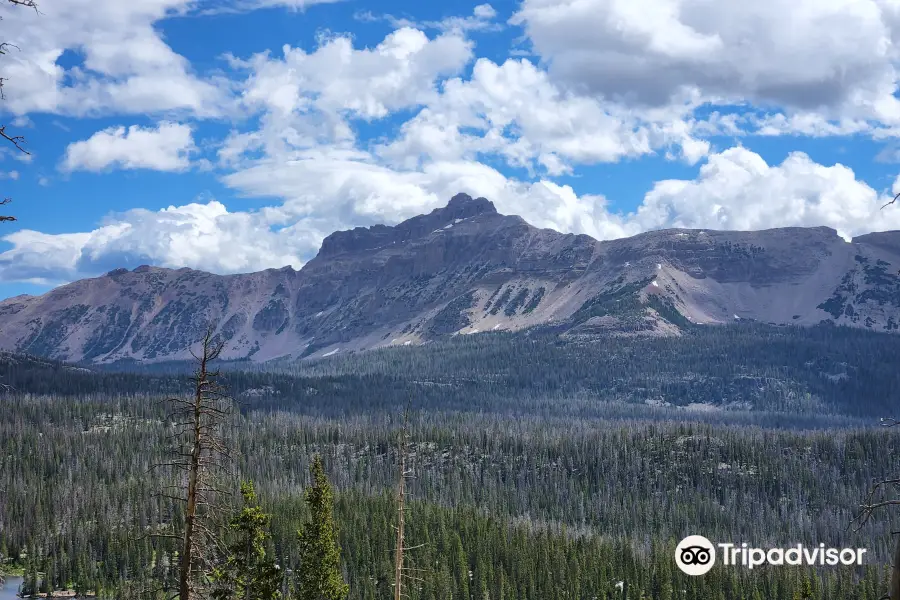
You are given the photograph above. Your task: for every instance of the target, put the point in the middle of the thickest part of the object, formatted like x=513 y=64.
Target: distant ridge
x=463 y=269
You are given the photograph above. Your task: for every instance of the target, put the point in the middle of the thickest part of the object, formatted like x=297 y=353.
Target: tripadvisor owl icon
x=695 y=555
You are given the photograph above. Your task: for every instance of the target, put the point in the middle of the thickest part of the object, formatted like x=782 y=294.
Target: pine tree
x=248 y=571
x=319 y=573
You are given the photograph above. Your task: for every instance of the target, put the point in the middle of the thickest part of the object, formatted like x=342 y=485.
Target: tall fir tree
x=249 y=571
x=319 y=572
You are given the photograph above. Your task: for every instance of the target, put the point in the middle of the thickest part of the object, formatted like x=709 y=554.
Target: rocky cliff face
x=466 y=269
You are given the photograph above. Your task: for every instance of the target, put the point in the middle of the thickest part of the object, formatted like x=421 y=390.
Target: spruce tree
x=248 y=572
x=319 y=572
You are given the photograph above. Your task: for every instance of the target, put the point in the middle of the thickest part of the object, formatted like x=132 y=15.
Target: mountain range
x=466 y=269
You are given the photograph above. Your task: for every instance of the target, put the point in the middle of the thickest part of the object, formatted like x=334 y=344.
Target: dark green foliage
x=886 y=288
x=539 y=467
x=110 y=335
x=819 y=370
x=824 y=369
x=838 y=301
x=667 y=311
x=517 y=301
x=233 y=325
x=575 y=491
x=501 y=301
x=273 y=315
x=454 y=316
x=535 y=300
x=620 y=301
x=490 y=300
x=319 y=561
x=248 y=571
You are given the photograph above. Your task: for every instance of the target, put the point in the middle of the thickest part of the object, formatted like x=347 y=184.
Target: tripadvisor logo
x=696 y=555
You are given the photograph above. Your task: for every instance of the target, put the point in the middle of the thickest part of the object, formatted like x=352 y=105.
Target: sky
x=234 y=135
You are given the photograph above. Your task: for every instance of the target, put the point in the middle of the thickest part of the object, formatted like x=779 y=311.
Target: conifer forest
x=523 y=467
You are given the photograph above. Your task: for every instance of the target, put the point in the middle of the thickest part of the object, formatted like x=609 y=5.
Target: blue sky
x=232 y=136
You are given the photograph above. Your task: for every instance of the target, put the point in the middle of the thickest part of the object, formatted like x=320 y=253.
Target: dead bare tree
x=401 y=570
x=879 y=497
x=16 y=140
x=202 y=460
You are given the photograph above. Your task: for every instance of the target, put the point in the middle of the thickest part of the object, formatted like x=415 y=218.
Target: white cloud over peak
x=164 y=148
x=735 y=189
x=617 y=80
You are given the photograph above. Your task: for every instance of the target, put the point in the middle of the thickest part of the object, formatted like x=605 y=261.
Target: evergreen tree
x=249 y=572
x=319 y=573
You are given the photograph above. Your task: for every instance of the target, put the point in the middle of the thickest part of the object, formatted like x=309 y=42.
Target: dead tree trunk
x=187 y=547
x=401 y=497
x=401 y=571
x=894 y=593
x=884 y=494
x=201 y=457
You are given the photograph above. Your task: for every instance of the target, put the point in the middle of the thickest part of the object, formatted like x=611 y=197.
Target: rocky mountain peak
x=361 y=239
x=463 y=269
x=464 y=206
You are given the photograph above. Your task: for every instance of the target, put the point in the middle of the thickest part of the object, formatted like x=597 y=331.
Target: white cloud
x=807 y=124
x=219 y=6
x=482 y=19
x=736 y=189
x=326 y=189
x=126 y=66
x=310 y=99
x=836 y=57
x=195 y=235
x=624 y=81
x=370 y=83
x=165 y=148
x=514 y=110
x=485 y=11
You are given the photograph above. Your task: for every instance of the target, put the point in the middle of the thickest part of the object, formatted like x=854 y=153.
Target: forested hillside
x=542 y=469
x=524 y=504
x=793 y=371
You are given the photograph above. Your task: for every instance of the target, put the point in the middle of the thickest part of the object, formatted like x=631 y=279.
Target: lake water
x=8 y=590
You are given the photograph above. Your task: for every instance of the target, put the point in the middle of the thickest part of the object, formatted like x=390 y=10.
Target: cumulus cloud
x=198 y=235
x=368 y=83
x=833 y=57
x=617 y=81
x=515 y=111
x=125 y=66
x=164 y=148
x=735 y=189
